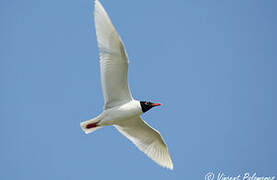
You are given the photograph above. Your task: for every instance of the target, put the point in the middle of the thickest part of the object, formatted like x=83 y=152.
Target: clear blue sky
x=213 y=64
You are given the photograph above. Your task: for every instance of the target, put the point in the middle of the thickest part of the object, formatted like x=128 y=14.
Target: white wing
x=147 y=140
x=113 y=60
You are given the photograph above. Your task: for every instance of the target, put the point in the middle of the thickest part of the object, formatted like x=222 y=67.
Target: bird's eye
x=146 y=103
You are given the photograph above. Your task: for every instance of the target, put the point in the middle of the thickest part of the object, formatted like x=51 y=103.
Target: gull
x=121 y=110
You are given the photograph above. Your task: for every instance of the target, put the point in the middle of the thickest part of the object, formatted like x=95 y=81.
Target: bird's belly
x=115 y=116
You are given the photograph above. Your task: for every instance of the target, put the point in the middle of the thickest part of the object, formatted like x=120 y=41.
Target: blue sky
x=211 y=63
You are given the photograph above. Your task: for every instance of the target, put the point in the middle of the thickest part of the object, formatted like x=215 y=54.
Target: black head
x=146 y=105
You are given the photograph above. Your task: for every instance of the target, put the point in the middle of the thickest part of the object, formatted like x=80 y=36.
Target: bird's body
x=117 y=115
x=121 y=110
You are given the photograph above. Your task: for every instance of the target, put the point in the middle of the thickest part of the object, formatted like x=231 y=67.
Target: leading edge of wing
x=113 y=58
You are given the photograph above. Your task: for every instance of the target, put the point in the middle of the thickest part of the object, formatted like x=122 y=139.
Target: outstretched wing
x=113 y=60
x=147 y=140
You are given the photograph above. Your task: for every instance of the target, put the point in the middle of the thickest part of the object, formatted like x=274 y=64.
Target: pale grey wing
x=147 y=140
x=113 y=60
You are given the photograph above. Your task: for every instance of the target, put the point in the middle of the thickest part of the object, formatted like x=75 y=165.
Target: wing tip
x=167 y=164
x=97 y=5
x=170 y=166
x=162 y=158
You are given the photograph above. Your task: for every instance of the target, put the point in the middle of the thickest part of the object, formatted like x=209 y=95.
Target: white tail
x=90 y=125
